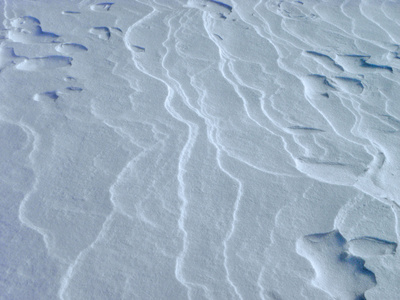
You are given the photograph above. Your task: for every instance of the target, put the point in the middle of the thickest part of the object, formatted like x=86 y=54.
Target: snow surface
x=199 y=149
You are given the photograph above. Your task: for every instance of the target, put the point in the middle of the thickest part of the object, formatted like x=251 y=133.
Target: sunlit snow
x=199 y=149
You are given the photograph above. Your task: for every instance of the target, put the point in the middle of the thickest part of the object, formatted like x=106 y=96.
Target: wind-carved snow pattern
x=199 y=149
x=339 y=273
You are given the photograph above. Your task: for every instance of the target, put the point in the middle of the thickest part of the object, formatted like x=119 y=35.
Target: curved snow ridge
x=335 y=91
x=157 y=73
x=82 y=266
x=20 y=238
x=176 y=96
x=27 y=30
x=194 y=285
x=326 y=82
x=74 y=266
x=35 y=140
x=245 y=99
x=321 y=86
x=132 y=219
x=214 y=283
x=339 y=92
x=179 y=148
x=204 y=80
x=69 y=198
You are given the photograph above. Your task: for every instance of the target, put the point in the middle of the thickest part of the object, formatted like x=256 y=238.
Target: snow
x=199 y=149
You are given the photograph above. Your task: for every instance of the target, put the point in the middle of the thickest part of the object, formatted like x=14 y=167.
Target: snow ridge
x=200 y=149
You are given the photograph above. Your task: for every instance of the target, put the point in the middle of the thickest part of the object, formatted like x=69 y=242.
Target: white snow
x=199 y=149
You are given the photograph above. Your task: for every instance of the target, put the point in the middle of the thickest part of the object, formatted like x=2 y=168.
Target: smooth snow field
x=199 y=149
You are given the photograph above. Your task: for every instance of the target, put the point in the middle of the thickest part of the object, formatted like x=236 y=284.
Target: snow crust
x=199 y=149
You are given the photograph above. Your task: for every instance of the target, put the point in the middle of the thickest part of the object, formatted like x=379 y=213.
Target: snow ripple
x=201 y=149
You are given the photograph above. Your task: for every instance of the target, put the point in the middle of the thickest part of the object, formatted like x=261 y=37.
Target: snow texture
x=199 y=149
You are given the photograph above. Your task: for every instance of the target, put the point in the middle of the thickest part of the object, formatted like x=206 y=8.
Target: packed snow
x=199 y=149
